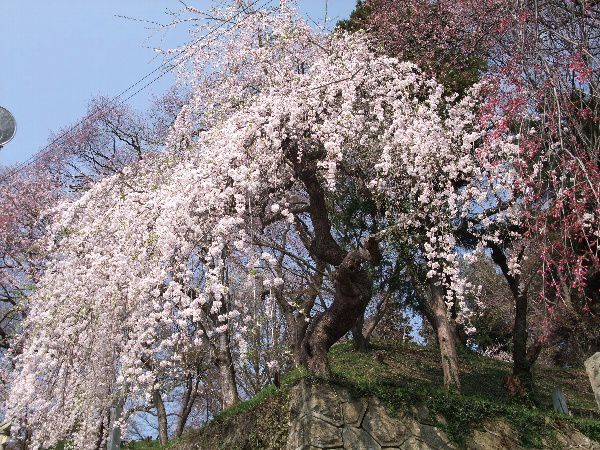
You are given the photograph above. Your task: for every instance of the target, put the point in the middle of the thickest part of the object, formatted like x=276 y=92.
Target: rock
x=414 y=443
x=358 y=439
x=560 y=402
x=592 y=367
x=310 y=431
x=497 y=435
x=441 y=420
x=319 y=448
x=387 y=431
x=354 y=411
x=323 y=402
x=576 y=440
x=327 y=417
x=435 y=438
x=296 y=405
x=421 y=413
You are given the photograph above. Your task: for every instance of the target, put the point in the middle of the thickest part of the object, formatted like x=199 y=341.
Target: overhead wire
x=115 y=100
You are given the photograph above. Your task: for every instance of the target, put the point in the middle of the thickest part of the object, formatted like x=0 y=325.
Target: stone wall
x=324 y=417
x=321 y=416
x=327 y=417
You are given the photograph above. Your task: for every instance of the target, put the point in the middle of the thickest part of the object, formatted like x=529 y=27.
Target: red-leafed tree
x=546 y=73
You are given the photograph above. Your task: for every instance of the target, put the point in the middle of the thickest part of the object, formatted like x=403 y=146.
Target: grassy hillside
x=407 y=375
x=404 y=376
x=413 y=366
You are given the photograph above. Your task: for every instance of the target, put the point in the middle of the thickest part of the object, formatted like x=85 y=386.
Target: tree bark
x=445 y=336
x=352 y=293
x=224 y=363
x=351 y=279
x=359 y=341
x=101 y=432
x=161 y=413
x=521 y=365
x=295 y=323
x=523 y=357
x=189 y=398
x=296 y=317
x=380 y=311
x=361 y=332
x=299 y=326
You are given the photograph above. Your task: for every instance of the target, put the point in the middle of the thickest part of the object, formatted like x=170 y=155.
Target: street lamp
x=8 y=126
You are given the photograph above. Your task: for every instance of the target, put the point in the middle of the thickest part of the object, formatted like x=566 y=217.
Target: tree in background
x=447 y=39
x=24 y=199
x=104 y=141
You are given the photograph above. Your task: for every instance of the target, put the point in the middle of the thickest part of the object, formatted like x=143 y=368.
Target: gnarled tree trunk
x=351 y=279
x=352 y=293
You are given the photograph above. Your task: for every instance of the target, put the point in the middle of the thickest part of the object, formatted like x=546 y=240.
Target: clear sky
x=56 y=55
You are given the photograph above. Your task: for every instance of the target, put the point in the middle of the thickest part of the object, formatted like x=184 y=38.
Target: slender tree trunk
x=445 y=336
x=361 y=332
x=521 y=366
x=295 y=323
x=161 y=413
x=296 y=318
x=101 y=433
x=224 y=362
x=187 y=403
x=424 y=303
x=460 y=337
x=523 y=357
x=299 y=327
x=380 y=311
x=296 y=327
x=359 y=341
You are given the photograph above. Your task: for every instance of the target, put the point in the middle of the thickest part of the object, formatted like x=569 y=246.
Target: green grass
x=411 y=366
x=143 y=445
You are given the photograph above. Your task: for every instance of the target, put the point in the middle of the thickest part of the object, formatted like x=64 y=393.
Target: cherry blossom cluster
x=140 y=267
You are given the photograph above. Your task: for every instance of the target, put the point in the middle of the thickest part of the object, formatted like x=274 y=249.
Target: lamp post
x=8 y=126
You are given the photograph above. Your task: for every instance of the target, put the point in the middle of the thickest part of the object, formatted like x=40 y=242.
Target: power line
x=166 y=70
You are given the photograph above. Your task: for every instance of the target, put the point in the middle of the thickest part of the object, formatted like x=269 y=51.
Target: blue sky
x=56 y=55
